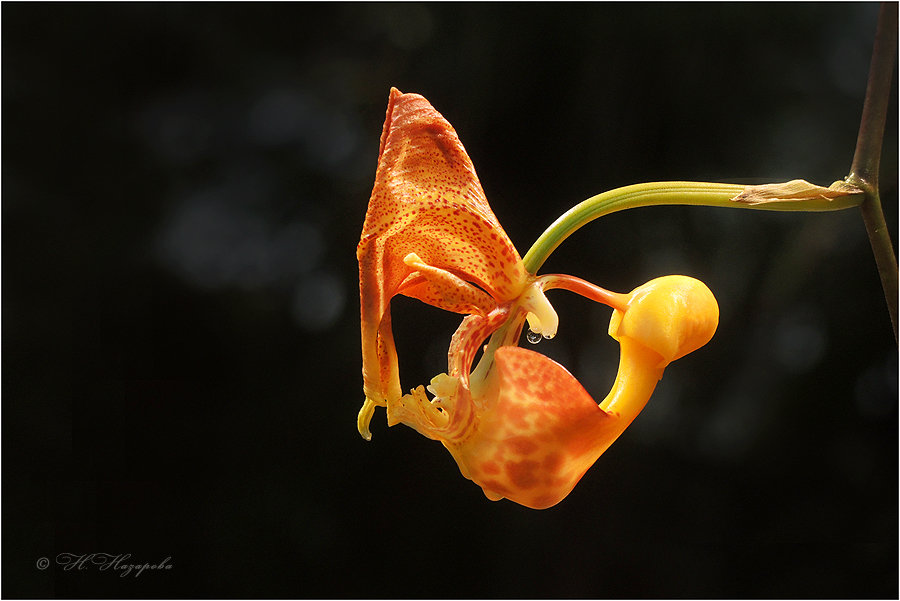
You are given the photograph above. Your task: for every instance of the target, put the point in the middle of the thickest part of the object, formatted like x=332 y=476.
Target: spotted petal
x=429 y=233
x=539 y=437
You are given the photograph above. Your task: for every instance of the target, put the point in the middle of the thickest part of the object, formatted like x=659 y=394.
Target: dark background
x=183 y=190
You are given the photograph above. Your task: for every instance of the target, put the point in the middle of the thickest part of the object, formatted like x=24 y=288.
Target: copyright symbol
x=43 y=563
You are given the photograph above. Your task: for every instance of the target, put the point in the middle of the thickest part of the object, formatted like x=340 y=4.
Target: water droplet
x=533 y=337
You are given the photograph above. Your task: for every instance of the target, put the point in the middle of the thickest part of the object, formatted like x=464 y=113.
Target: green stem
x=867 y=157
x=864 y=175
x=629 y=197
x=662 y=193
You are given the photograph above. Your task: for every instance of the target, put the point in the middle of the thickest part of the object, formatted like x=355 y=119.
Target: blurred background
x=183 y=189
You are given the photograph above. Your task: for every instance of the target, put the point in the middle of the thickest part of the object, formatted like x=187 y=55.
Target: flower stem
x=867 y=157
x=809 y=198
x=663 y=193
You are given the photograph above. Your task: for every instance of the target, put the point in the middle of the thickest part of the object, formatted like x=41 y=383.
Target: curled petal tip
x=363 y=419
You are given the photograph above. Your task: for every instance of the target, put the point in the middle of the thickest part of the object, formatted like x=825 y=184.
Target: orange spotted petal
x=540 y=436
x=427 y=200
x=430 y=234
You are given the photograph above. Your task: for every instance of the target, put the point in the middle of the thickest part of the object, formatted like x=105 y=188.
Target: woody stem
x=867 y=157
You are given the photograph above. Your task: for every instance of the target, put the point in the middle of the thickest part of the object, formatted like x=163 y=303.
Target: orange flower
x=520 y=425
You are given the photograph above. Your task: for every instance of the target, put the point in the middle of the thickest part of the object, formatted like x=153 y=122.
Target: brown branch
x=867 y=157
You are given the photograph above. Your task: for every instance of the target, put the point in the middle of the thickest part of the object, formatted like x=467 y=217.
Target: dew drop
x=533 y=337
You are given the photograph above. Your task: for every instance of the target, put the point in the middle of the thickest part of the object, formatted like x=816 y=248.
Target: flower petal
x=443 y=289
x=539 y=437
x=426 y=202
x=381 y=381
